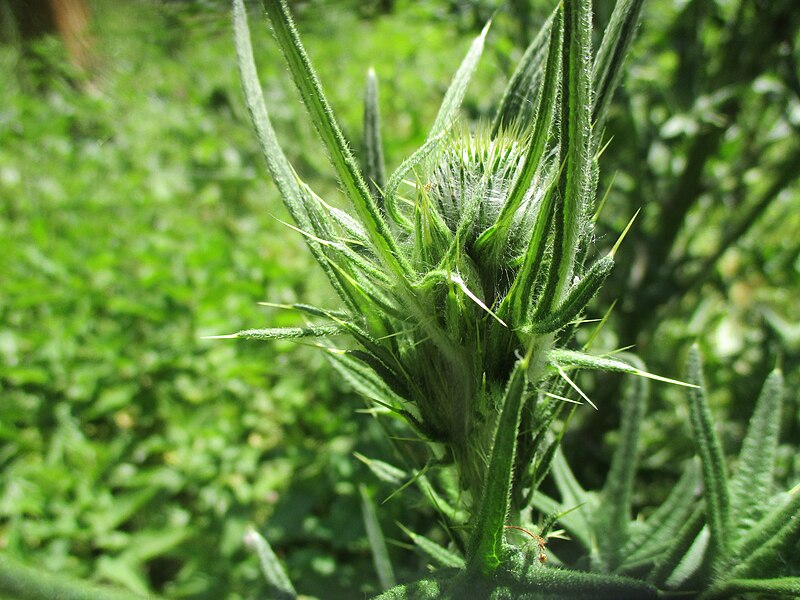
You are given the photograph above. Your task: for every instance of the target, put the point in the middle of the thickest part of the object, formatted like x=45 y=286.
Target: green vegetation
x=139 y=219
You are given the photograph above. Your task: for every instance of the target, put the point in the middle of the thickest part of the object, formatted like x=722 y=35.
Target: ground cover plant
x=204 y=457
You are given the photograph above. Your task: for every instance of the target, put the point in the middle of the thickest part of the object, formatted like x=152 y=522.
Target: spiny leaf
x=575 y=186
x=285 y=178
x=495 y=238
x=752 y=485
x=516 y=104
x=349 y=174
x=458 y=87
x=607 y=68
x=715 y=479
x=572 y=358
x=375 y=168
x=485 y=550
x=440 y=555
x=282 y=333
x=577 y=298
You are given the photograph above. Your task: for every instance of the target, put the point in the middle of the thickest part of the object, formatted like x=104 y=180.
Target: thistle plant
x=739 y=536
x=462 y=276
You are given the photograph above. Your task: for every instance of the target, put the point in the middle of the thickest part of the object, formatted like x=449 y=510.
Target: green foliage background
x=137 y=216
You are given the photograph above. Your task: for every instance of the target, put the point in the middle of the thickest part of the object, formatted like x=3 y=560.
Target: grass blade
x=380 y=555
x=715 y=479
x=349 y=174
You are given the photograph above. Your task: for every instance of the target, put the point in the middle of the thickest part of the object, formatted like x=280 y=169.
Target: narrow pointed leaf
x=612 y=524
x=677 y=549
x=662 y=527
x=751 y=487
x=454 y=96
x=289 y=185
x=577 y=298
x=572 y=358
x=277 y=579
x=495 y=238
x=517 y=102
x=779 y=587
x=441 y=556
x=772 y=536
x=575 y=187
x=377 y=543
x=383 y=470
x=285 y=333
x=375 y=168
x=486 y=543
x=349 y=174
x=607 y=68
x=715 y=479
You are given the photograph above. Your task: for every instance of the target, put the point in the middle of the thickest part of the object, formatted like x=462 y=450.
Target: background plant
x=67 y=158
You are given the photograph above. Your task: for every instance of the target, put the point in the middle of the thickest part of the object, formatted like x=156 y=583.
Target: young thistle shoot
x=456 y=284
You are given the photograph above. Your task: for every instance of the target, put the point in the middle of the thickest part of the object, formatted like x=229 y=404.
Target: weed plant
x=462 y=276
